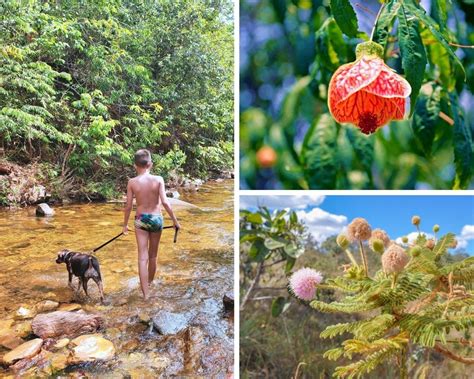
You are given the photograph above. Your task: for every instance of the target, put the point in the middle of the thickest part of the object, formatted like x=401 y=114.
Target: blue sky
x=329 y=215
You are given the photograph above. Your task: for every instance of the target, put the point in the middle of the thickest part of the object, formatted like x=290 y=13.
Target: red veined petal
x=352 y=77
x=367 y=111
x=389 y=84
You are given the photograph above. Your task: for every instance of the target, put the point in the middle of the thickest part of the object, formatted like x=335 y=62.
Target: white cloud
x=281 y=202
x=467 y=234
x=412 y=237
x=322 y=224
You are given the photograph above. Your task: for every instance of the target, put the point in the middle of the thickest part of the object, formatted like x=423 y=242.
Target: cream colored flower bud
x=377 y=245
x=379 y=234
x=394 y=259
x=415 y=251
x=359 y=230
x=405 y=239
x=415 y=220
x=436 y=228
x=342 y=241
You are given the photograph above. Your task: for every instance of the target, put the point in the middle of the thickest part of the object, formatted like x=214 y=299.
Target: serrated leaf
x=345 y=16
x=385 y=21
x=319 y=153
x=412 y=51
x=463 y=148
x=432 y=25
x=425 y=118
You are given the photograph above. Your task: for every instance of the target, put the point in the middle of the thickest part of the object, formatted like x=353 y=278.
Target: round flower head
x=359 y=230
x=415 y=251
x=436 y=228
x=430 y=244
x=304 y=281
x=379 y=234
x=415 y=220
x=342 y=241
x=377 y=245
x=405 y=239
x=367 y=93
x=394 y=259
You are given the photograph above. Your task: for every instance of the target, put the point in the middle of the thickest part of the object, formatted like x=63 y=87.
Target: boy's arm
x=166 y=205
x=128 y=208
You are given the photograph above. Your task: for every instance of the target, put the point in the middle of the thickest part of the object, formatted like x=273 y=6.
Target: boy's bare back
x=147 y=190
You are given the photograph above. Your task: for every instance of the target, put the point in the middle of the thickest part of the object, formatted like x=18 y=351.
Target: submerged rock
x=24 y=313
x=65 y=324
x=63 y=342
x=46 y=306
x=168 y=323
x=10 y=340
x=26 y=350
x=92 y=347
x=44 y=210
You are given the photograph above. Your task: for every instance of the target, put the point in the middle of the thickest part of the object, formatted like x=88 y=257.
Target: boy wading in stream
x=149 y=192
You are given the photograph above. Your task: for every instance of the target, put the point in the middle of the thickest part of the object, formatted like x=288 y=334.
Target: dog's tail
x=90 y=262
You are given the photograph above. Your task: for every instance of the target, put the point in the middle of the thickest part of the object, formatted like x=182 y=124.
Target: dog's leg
x=70 y=280
x=101 y=288
x=84 y=285
x=79 y=283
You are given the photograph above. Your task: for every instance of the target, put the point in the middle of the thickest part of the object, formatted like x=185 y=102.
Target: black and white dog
x=84 y=266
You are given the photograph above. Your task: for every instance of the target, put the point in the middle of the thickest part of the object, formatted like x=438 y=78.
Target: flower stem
x=364 y=258
x=394 y=280
x=351 y=257
x=376 y=20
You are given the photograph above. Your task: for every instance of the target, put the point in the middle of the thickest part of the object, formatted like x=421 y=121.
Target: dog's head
x=64 y=256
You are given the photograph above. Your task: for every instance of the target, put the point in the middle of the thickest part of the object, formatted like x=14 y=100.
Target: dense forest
x=85 y=84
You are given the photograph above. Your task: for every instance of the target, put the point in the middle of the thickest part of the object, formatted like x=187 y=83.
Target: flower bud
x=436 y=228
x=342 y=241
x=379 y=234
x=430 y=244
x=394 y=259
x=359 y=230
x=415 y=251
x=405 y=239
x=377 y=245
x=415 y=220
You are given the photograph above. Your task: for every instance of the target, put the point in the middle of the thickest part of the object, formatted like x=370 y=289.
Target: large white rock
x=92 y=347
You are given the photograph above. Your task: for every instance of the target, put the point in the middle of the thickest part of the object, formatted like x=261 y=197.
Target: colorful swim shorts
x=149 y=222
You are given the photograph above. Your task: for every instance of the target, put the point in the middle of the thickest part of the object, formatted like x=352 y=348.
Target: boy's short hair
x=143 y=158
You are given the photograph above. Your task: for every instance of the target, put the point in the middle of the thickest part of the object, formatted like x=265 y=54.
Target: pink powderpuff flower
x=304 y=281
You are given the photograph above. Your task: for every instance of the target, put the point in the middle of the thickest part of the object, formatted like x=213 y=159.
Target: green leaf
x=463 y=148
x=279 y=305
x=290 y=263
x=363 y=146
x=345 y=17
x=432 y=25
x=331 y=47
x=272 y=244
x=413 y=53
x=319 y=153
x=426 y=116
x=258 y=251
x=439 y=13
x=385 y=21
x=254 y=218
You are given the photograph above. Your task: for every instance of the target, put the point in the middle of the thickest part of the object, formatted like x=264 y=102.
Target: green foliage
x=84 y=85
x=314 y=153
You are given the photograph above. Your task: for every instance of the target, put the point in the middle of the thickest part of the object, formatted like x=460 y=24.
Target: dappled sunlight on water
x=192 y=277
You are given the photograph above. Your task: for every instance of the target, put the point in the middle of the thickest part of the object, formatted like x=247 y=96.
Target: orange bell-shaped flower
x=367 y=92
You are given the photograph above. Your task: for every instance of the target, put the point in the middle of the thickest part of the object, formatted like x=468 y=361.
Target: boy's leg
x=142 y=243
x=152 y=254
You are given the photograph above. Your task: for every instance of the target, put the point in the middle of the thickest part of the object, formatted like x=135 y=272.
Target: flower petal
x=389 y=84
x=352 y=77
x=368 y=111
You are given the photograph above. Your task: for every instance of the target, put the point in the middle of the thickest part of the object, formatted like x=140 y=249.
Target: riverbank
x=182 y=331
x=23 y=185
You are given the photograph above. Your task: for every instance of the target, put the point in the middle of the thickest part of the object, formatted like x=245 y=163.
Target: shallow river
x=192 y=277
